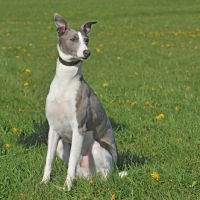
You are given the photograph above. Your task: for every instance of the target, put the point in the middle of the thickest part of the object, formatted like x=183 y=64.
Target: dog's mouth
x=83 y=58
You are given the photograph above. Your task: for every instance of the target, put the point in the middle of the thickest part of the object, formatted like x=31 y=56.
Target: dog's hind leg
x=102 y=159
x=63 y=150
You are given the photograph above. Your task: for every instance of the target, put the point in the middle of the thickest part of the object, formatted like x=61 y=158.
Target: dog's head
x=72 y=44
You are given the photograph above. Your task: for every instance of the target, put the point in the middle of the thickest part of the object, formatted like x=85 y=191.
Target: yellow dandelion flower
x=20 y=109
x=160 y=116
x=152 y=89
x=135 y=73
x=155 y=176
x=118 y=58
x=146 y=103
x=176 y=108
x=30 y=44
x=14 y=130
x=98 y=50
x=8 y=146
x=113 y=197
x=186 y=88
x=28 y=54
x=27 y=71
x=91 y=181
x=154 y=43
x=122 y=101
x=3 y=48
x=178 y=139
x=26 y=84
x=17 y=57
x=127 y=101
x=112 y=101
x=168 y=45
x=105 y=85
x=134 y=103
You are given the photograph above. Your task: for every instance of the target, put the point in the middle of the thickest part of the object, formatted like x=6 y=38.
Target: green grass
x=158 y=43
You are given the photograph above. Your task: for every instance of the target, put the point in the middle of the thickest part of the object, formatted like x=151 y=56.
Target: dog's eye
x=72 y=39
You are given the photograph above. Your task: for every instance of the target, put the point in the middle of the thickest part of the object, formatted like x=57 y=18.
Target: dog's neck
x=73 y=63
x=66 y=74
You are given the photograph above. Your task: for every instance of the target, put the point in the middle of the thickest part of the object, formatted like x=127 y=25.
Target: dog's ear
x=87 y=27
x=60 y=23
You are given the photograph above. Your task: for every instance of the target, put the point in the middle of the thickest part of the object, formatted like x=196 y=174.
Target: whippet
x=79 y=130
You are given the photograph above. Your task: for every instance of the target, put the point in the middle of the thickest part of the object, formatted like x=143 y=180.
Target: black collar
x=68 y=63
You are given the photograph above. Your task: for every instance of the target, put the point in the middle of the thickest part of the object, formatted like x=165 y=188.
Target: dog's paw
x=45 y=180
x=68 y=183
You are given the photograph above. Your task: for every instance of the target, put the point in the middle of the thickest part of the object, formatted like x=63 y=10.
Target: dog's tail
x=122 y=174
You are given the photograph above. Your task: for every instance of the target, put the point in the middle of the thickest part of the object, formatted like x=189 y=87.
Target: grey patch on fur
x=66 y=45
x=91 y=116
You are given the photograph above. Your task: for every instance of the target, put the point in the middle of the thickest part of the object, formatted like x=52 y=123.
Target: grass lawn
x=145 y=68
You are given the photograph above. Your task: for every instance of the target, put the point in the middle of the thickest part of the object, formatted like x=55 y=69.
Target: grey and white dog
x=79 y=130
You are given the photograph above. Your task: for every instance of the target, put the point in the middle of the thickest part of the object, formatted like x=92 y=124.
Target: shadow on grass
x=127 y=159
x=38 y=137
x=116 y=126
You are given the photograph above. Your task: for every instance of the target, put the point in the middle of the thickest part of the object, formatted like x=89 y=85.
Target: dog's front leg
x=76 y=147
x=53 y=138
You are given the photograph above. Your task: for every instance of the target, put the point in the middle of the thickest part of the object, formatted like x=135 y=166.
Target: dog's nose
x=86 y=53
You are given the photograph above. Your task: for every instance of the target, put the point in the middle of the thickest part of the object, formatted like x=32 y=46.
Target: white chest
x=61 y=104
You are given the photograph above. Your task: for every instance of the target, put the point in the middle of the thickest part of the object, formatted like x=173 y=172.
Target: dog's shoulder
x=88 y=107
x=83 y=108
x=87 y=97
